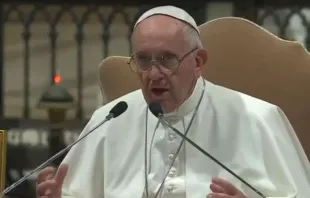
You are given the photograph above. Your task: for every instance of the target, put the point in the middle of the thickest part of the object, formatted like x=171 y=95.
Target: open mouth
x=159 y=91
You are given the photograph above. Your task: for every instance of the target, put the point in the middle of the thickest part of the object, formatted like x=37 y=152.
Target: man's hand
x=223 y=189
x=49 y=184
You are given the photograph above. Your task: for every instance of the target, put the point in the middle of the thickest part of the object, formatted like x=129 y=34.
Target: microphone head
x=118 y=109
x=156 y=109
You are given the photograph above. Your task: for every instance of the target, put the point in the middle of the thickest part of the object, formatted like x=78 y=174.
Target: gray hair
x=192 y=36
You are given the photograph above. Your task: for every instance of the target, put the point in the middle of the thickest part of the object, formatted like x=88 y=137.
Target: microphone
x=157 y=111
x=116 y=111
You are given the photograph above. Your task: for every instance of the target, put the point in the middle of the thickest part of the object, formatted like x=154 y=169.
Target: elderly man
x=138 y=156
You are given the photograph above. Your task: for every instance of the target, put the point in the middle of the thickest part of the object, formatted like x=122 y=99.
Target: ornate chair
x=3 y=145
x=245 y=57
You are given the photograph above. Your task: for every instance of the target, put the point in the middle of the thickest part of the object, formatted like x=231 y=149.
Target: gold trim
x=3 y=147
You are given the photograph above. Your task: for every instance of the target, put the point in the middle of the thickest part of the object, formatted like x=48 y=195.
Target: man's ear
x=201 y=59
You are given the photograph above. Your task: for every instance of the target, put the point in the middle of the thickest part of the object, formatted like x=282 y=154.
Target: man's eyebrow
x=160 y=53
x=168 y=52
x=141 y=52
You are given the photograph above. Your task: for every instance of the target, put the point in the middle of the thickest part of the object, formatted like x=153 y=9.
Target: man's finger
x=45 y=174
x=228 y=187
x=218 y=195
x=61 y=174
x=46 y=186
x=216 y=188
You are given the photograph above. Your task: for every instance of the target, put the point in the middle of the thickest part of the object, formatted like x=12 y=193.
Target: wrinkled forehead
x=159 y=33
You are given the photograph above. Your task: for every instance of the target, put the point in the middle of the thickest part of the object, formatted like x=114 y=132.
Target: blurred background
x=49 y=54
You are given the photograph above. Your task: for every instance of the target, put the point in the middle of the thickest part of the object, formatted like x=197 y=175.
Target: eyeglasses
x=166 y=63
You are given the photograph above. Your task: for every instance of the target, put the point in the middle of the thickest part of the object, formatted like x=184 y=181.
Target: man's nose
x=155 y=73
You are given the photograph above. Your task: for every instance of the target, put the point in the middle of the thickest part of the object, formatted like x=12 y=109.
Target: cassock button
x=170 y=157
x=171 y=137
x=172 y=173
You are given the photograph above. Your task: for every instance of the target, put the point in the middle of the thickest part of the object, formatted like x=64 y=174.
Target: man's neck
x=190 y=103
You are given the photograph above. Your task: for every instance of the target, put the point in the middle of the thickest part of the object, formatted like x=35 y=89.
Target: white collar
x=188 y=105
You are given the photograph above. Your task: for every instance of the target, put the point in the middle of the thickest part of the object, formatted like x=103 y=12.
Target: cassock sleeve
x=286 y=163
x=85 y=164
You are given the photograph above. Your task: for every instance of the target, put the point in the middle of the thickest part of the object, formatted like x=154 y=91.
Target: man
x=135 y=155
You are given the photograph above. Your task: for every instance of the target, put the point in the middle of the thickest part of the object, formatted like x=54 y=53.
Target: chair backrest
x=116 y=78
x=245 y=57
x=3 y=146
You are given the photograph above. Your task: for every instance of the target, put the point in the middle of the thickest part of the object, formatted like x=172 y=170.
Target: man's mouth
x=159 y=91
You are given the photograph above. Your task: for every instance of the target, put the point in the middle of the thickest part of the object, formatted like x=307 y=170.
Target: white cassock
x=251 y=137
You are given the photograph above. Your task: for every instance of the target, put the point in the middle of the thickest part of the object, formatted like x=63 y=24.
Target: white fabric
x=164 y=146
x=172 y=11
x=252 y=137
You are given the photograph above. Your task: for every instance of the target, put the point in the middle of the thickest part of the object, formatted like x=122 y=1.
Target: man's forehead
x=158 y=40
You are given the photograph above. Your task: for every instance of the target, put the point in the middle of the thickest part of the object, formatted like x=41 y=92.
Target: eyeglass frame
x=180 y=60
